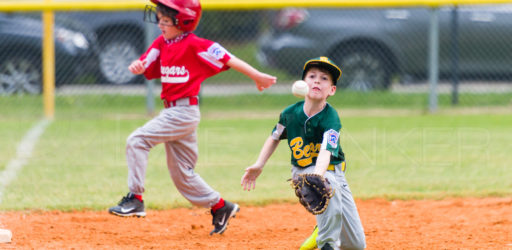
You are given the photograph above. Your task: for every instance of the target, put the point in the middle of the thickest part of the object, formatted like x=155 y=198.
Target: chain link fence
x=383 y=52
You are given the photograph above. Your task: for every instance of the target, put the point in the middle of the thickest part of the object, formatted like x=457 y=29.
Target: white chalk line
x=23 y=153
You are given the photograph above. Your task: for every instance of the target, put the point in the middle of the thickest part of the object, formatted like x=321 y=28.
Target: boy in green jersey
x=312 y=128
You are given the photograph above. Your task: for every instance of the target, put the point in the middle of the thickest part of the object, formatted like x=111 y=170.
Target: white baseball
x=300 y=88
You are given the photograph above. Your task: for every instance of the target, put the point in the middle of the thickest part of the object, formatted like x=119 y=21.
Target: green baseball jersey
x=307 y=135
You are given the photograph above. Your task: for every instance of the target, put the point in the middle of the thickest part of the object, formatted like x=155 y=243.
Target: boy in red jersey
x=182 y=61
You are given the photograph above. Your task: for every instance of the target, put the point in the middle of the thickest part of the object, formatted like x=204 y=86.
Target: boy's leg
x=181 y=160
x=138 y=145
x=171 y=124
x=330 y=221
x=352 y=235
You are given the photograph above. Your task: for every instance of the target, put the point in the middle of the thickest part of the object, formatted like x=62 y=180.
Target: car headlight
x=69 y=37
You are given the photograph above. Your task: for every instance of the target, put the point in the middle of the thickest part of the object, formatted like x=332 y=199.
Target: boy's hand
x=249 y=178
x=261 y=79
x=137 y=67
x=264 y=81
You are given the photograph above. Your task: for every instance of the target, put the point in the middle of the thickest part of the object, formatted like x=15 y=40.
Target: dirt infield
x=447 y=224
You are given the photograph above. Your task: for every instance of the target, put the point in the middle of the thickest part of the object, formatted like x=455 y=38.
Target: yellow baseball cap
x=325 y=63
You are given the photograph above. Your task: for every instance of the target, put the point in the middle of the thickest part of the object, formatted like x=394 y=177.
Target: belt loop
x=193 y=100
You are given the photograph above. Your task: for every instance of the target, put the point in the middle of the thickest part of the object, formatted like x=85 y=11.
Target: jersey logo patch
x=332 y=138
x=216 y=51
x=214 y=54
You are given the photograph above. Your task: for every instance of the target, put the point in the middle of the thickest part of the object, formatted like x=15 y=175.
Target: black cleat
x=327 y=247
x=128 y=206
x=222 y=216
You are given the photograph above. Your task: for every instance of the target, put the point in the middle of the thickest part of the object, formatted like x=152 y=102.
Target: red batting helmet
x=189 y=12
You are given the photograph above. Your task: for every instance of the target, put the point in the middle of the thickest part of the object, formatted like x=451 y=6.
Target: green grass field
x=393 y=152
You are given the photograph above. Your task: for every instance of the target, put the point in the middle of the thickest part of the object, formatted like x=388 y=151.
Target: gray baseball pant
x=176 y=128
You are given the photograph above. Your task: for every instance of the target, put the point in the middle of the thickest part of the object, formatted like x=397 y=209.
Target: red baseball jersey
x=183 y=64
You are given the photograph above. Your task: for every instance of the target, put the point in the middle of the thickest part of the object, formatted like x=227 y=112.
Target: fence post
x=433 y=58
x=48 y=63
x=455 y=56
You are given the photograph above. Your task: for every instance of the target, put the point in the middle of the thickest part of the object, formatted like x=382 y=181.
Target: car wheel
x=116 y=54
x=363 y=69
x=19 y=75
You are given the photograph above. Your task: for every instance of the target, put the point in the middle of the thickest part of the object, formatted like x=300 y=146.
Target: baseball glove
x=314 y=192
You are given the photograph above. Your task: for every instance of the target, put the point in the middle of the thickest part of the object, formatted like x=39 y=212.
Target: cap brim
x=332 y=68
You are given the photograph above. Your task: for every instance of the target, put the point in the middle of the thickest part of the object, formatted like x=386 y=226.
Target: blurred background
x=398 y=147
x=383 y=52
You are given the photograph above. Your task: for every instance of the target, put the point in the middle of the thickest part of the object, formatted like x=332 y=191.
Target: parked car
x=374 y=46
x=121 y=39
x=21 y=50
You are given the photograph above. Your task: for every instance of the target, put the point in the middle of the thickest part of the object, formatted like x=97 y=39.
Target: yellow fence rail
x=233 y=4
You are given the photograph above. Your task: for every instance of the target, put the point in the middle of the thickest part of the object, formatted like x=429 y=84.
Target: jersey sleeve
x=152 y=56
x=215 y=56
x=331 y=136
x=331 y=142
x=279 y=131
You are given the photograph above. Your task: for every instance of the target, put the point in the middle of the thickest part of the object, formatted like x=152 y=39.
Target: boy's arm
x=322 y=162
x=252 y=172
x=262 y=80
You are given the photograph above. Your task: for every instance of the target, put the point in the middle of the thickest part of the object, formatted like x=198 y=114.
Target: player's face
x=166 y=25
x=319 y=83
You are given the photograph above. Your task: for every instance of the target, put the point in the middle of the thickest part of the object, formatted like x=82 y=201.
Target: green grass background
x=394 y=152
